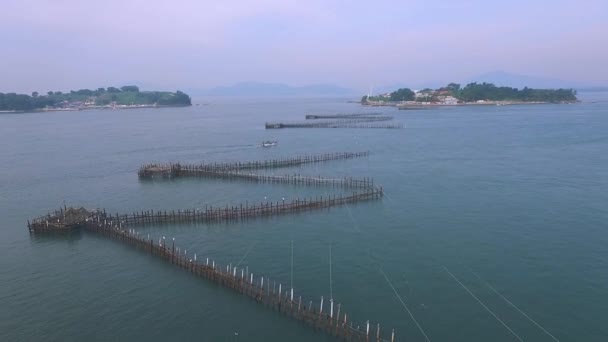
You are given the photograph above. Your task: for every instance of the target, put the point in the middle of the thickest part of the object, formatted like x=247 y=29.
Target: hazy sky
x=71 y=44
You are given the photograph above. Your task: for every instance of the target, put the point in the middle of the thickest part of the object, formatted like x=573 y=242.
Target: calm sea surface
x=512 y=196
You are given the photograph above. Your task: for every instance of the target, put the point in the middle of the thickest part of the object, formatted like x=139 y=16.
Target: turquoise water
x=515 y=194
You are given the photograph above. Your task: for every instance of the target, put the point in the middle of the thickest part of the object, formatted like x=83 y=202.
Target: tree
x=171 y=99
x=130 y=88
x=488 y=91
x=85 y=92
x=364 y=99
x=22 y=102
x=113 y=90
x=403 y=94
x=454 y=88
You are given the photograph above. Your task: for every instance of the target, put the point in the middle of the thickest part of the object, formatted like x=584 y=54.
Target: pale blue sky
x=70 y=44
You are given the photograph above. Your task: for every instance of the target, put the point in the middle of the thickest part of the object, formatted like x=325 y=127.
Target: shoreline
x=89 y=108
x=412 y=106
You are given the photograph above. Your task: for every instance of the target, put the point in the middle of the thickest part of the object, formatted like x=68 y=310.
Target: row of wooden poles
x=153 y=168
x=243 y=211
x=278 y=125
x=378 y=126
x=354 y=122
x=326 y=317
x=346 y=119
x=55 y=221
x=181 y=170
x=341 y=116
x=346 y=182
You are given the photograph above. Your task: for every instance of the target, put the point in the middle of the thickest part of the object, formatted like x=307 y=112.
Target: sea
x=493 y=227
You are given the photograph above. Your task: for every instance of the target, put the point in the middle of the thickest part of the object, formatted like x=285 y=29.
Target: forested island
x=472 y=93
x=111 y=97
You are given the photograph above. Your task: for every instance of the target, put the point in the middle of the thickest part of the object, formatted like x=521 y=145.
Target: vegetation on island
x=453 y=93
x=110 y=97
x=403 y=94
x=487 y=91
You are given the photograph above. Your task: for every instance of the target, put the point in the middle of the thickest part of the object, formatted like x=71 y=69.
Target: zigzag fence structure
x=327 y=317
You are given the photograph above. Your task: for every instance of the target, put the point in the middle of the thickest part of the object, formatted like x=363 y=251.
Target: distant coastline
x=418 y=105
x=119 y=107
x=126 y=97
x=473 y=94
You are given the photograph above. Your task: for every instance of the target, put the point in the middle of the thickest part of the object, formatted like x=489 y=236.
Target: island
x=472 y=94
x=111 y=98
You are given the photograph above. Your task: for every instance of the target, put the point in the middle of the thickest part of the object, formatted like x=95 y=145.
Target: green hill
x=86 y=98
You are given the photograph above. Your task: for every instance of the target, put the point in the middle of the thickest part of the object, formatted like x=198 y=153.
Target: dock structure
x=328 y=123
x=372 y=126
x=62 y=220
x=341 y=115
x=353 y=118
x=356 y=120
x=331 y=319
x=417 y=107
x=278 y=125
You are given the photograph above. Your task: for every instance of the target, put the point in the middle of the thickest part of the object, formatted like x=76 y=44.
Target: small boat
x=269 y=143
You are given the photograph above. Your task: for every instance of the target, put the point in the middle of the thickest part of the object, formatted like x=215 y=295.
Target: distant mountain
x=503 y=78
x=276 y=89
